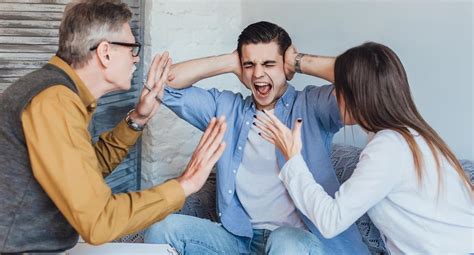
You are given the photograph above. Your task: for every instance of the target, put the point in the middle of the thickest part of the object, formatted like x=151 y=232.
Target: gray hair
x=85 y=24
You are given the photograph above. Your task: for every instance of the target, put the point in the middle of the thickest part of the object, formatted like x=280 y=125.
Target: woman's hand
x=288 y=141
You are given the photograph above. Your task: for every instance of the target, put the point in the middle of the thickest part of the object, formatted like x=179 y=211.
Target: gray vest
x=29 y=220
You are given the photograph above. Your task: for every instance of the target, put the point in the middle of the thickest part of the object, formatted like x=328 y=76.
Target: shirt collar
x=289 y=96
x=86 y=96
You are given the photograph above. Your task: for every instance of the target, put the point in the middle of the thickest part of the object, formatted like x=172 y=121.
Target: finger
x=206 y=151
x=156 y=92
x=267 y=137
x=216 y=141
x=208 y=130
x=210 y=162
x=150 y=77
x=203 y=153
x=217 y=154
x=265 y=122
x=159 y=84
x=277 y=123
x=166 y=69
x=151 y=72
x=263 y=128
x=159 y=68
x=162 y=81
x=297 y=130
x=149 y=97
x=144 y=91
x=213 y=136
x=147 y=91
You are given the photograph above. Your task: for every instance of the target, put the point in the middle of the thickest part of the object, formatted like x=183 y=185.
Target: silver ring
x=145 y=85
x=149 y=89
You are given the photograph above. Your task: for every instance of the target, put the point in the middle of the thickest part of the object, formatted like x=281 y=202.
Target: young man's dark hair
x=264 y=32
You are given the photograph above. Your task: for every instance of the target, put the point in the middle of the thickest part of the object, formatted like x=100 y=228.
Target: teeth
x=263 y=90
x=261 y=84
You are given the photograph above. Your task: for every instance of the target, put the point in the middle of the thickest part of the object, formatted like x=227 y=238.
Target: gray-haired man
x=51 y=180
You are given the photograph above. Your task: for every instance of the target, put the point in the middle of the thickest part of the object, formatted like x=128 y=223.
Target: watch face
x=133 y=125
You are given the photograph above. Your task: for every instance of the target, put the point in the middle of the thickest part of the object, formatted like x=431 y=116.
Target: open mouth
x=262 y=88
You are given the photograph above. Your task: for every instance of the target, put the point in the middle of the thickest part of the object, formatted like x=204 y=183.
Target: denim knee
x=167 y=230
x=288 y=240
x=191 y=235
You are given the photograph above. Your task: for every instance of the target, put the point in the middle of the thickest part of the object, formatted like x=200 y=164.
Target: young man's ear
x=103 y=54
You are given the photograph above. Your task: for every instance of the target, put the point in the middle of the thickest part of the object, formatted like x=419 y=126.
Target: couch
x=344 y=159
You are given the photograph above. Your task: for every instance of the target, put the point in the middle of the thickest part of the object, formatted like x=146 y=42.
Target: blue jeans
x=191 y=235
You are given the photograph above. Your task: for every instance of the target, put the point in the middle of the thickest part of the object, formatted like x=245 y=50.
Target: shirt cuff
x=125 y=134
x=172 y=192
x=292 y=168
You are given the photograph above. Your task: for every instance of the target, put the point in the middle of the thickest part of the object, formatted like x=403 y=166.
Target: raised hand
x=286 y=140
x=289 y=59
x=152 y=93
x=208 y=151
x=236 y=65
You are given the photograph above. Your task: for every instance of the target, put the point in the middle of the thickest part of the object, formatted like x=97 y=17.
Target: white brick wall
x=187 y=29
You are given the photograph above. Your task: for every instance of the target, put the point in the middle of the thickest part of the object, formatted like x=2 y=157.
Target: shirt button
x=287 y=105
x=220 y=214
x=240 y=148
x=234 y=171
x=248 y=123
x=230 y=191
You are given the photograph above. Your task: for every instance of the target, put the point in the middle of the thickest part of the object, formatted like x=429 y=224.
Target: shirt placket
x=282 y=110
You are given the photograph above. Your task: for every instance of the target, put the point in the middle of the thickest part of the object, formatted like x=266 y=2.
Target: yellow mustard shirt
x=70 y=168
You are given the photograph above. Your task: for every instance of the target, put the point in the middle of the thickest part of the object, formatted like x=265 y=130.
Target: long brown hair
x=372 y=81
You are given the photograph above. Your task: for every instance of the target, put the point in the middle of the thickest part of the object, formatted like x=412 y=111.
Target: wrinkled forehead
x=261 y=52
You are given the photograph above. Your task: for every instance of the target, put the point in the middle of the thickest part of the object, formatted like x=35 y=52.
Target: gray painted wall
x=434 y=40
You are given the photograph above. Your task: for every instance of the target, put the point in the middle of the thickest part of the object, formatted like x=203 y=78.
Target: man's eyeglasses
x=135 y=47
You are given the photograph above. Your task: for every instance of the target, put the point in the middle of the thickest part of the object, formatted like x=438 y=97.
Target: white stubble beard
x=134 y=68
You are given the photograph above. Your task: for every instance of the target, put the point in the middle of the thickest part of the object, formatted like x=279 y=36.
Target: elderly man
x=51 y=179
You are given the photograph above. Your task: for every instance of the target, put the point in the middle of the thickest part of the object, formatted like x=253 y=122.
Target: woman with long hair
x=407 y=179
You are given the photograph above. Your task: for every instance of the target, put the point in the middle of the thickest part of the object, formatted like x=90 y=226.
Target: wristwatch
x=131 y=123
x=298 y=58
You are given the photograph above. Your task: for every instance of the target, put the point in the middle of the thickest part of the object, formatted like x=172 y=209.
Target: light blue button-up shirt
x=317 y=107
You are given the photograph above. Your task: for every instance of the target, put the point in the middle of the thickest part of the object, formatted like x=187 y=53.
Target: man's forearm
x=186 y=73
x=319 y=66
x=322 y=67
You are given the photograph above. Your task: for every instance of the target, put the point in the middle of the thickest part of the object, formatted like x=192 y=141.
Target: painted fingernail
x=299 y=120
x=254 y=124
x=260 y=134
x=263 y=111
x=255 y=116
